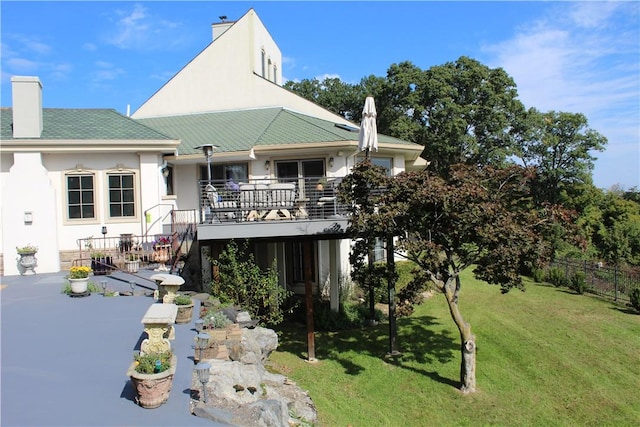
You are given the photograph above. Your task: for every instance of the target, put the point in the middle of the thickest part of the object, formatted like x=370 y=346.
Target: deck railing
x=127 y=252
x=293 y=199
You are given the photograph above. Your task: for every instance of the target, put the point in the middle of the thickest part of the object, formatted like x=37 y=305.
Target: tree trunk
x=468 y=365
x=468 y=340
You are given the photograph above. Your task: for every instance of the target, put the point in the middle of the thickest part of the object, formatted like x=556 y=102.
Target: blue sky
x=580 y=57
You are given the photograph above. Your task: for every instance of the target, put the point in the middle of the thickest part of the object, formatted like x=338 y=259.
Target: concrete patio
x=64 y=360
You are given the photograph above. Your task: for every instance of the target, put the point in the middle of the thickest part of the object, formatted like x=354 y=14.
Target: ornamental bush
x=215 y=320
x=241 y=282
x=578 y=282
x=537 y=274
x=556 y=277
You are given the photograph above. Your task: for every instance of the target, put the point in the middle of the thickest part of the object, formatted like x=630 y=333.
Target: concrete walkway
x=64 y=360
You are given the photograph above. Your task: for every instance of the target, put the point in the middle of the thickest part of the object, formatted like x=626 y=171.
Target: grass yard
x=546 y=357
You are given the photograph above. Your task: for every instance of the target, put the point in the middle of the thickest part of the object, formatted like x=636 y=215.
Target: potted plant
x=215 y=324
x=162 y=252
x=152 y=377
x=100 y=263
x=132 y=263
x=79 y=278
x=185 y=308
x=28 y=259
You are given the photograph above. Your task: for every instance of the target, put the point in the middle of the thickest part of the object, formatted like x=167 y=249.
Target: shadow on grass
x=418 y=340
x=627 y=309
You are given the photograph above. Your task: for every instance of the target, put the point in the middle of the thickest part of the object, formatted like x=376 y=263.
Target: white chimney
x=219 y=28
x=27 y=106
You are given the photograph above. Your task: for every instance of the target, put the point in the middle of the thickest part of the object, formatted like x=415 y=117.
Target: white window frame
x=134 y=202
x=67 y=190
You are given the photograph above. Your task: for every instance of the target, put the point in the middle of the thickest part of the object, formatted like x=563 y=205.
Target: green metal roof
x=84 y=124
x=240 y=130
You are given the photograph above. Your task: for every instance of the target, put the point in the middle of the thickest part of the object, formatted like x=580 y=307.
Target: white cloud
x=61 y=71
x=105 y=72
x=584 y=57
x=30 y=44
x=592 y=15
x=137 y=29
x=22 y=65
x=322 y=77
x=131 y=29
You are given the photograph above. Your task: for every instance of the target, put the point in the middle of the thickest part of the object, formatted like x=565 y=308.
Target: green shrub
x=182 y=300
x=578 y=282
x=556 y=277
x=538 y=274
x=215 y=319
x=634 y=296
x=148 y=364
x=241 y=282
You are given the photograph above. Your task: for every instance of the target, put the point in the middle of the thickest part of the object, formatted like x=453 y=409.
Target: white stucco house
x=272 y=148
x=66 y=173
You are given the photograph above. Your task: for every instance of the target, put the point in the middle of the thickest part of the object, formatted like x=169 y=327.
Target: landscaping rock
x=243 y=391
x=254 y=346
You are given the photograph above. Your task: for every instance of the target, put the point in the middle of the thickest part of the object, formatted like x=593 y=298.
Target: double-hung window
x=81 y=196
x=121 y=195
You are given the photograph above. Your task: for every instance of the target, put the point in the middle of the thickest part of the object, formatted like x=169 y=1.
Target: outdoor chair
x=247 y=201
x=283 y=201
x=220 y=210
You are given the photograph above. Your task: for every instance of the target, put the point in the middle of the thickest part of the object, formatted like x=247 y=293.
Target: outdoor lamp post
x=104 y=287
x=202 y=342
x=104 y=237
x=132 y=285
x=207 y=149
x=199 y=325
x=202 y=369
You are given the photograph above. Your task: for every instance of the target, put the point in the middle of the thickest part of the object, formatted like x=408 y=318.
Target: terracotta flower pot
x=152 y=390
x=185 y=313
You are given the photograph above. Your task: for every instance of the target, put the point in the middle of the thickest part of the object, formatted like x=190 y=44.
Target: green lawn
x=546 y=357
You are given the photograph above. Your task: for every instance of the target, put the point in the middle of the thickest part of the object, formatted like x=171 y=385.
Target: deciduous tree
x=476 y=217
x=560 y=146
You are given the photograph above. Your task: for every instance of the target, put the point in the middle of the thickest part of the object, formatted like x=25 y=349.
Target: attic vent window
x=347 y=127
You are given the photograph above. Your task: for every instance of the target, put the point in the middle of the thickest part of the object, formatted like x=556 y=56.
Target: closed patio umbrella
x=368 y=137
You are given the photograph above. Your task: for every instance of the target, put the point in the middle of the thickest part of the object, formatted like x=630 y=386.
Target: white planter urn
x=28 y=261
x=79 y=286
